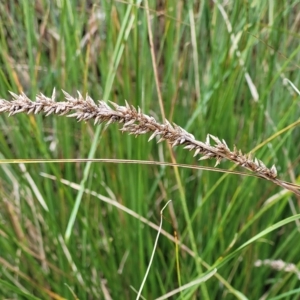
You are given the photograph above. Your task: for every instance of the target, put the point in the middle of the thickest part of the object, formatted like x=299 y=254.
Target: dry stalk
x=136 y=123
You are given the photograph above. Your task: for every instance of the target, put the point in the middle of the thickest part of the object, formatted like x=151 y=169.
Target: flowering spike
x=137 y=123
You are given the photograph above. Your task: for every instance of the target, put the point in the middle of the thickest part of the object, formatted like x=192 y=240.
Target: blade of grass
x=118 y=51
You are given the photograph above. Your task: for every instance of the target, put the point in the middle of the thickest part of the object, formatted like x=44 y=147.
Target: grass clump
x=74 y=226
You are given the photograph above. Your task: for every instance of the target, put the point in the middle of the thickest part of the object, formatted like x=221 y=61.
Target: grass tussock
x=76 y=227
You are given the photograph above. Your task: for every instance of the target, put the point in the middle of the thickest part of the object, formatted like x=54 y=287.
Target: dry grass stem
x=135 y=122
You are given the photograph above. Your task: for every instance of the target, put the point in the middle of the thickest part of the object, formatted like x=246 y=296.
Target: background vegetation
x=229 y=84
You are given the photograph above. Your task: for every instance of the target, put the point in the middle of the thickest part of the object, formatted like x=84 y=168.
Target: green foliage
x=227 y=221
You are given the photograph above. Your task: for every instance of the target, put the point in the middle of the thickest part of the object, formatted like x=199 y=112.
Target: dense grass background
x=102 y=47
